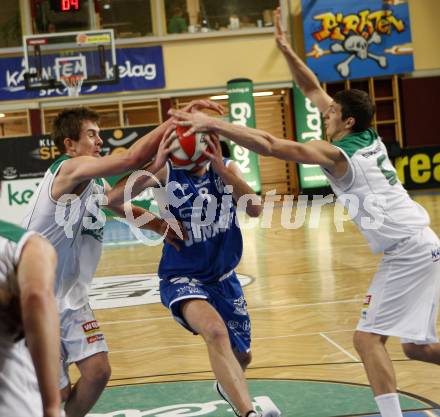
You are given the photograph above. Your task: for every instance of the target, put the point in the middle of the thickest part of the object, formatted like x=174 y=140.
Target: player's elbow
x=268 y=147
x=36 y=298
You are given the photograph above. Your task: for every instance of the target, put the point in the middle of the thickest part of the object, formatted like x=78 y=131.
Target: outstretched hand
x=280 y=36
x=197 y=121
x=197 y=105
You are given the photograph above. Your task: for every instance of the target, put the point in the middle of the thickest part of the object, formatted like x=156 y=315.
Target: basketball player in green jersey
x=403 y=297
x=66 y=210
x=29 y=325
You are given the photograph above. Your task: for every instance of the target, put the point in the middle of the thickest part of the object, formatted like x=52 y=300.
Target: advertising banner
x=26 y=160
x=308 y=127
x=139 y=69
x=346 y=39
x=419 y=168
x=242 y=112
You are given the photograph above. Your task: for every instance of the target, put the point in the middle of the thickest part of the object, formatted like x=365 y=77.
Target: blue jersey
x=206 y=209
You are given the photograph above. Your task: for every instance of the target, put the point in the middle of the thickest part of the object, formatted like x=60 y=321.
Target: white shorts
x=403 y=298
x=81 y=337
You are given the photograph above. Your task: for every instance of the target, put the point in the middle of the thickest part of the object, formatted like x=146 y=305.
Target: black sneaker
x=219 y=390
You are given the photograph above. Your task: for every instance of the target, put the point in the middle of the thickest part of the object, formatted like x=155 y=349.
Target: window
x=14 y=124
x=10 y=24
x=141 y=113
x=128 y=18
x=208 y=15
x=145 y=113
x=49 y=17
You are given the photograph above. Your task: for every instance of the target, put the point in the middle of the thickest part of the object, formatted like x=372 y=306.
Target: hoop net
x=73 y=84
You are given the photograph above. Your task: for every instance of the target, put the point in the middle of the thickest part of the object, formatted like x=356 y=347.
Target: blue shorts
x=225 y=295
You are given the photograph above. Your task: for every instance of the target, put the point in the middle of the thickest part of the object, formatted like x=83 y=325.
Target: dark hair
x=68 y=124
x=356 y=104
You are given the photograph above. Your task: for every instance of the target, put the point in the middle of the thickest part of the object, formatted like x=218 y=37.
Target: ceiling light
x=263 y=93
x=257 y=94
x=222 y=97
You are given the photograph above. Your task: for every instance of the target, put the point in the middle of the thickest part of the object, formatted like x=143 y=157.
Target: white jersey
x=19 y=392
x=370 y=190
x=74 y=226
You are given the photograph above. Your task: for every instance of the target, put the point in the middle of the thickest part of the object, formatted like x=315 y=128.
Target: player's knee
x=413 y=351
x=65 y=392
x=358 y=341
x=104 y=373
x=363 y=341
x=100 y=375
x=216 y=333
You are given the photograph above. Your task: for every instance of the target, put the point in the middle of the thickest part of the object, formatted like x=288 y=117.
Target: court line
x=168 y=317
x=256 y=368
x=143 y=349
x=339 y=347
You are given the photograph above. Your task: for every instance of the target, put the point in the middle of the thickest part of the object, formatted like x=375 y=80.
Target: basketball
x=189 y=154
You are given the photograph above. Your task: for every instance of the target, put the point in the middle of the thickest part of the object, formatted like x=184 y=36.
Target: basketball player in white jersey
x=403 y=297
x=29 y=325
x=66 y=210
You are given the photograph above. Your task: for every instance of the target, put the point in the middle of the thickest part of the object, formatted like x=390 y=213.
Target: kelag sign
x=139 y=69
x=27 y=159
x=346 y=39
x=242 y=113
x=308 y=127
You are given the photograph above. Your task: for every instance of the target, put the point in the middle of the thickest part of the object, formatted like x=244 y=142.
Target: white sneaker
x=264 y=413
x=219 y=390
x=271 y=413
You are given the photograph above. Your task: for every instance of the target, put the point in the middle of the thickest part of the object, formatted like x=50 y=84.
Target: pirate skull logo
x=357 y=46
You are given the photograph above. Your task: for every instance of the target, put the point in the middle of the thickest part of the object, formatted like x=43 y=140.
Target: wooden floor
x=304 y=304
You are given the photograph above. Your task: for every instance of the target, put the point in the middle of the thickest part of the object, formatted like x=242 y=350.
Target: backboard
x=51 y=57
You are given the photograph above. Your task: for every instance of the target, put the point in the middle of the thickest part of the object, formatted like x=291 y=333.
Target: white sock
x=389 y=405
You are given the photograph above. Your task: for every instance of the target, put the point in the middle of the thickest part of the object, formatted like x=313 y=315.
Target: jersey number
x=388 y=174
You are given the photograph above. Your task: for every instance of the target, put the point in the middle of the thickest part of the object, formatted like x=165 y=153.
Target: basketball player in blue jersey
x=29 y=325
x=198 y=283
x=66 y=210
x=403 y=297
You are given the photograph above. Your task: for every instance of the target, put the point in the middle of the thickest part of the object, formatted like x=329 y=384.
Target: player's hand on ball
x=214 y=152
x=197 y=105
x=167 y=145
x=197 y=121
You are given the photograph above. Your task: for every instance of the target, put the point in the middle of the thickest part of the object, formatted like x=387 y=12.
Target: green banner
x=242 y=112
x=308 y=127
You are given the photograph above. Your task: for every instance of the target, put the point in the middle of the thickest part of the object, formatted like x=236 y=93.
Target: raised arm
x=304 y=78
x=36 y=275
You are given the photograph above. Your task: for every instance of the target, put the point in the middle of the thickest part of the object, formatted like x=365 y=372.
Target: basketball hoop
x=73 y=84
